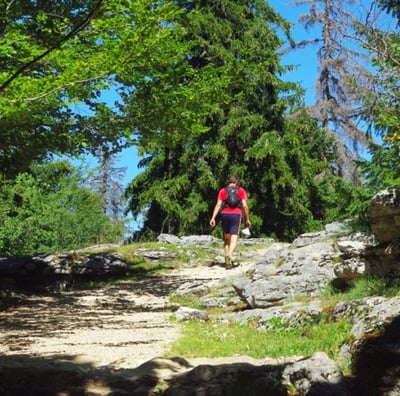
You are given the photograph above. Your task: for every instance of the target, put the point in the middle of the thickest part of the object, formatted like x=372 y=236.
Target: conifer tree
x=107 y=182
x=234 y=48
x=343 y=76
x=391 y=6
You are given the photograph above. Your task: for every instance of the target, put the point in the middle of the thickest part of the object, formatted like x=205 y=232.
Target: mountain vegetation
x=199 y=87
x=49 y=210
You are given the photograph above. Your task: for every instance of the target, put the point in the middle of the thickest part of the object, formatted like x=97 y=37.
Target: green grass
x=361 y=288
x=186 y=301
x=216 y=339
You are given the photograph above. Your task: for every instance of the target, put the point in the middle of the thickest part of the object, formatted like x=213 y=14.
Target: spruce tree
x=234 y=50
x=107 y=182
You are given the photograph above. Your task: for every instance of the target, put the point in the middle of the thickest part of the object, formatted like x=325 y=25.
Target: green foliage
x=49 y=210
x=289 y=166
x=54 y=69
x=197 y=87
x=391 y=7
x=246 y=131
x=56 y=64
x=338 y=200
x=384 y=170
x=361 y=288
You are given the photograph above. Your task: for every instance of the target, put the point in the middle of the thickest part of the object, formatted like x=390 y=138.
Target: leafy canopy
x=56 y=59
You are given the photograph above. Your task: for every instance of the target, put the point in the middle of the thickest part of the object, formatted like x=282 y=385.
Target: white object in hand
x=246 y=232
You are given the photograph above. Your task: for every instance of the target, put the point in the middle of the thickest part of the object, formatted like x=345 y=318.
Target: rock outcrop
x=384 y=213
x=53 y=270
x=334 y=257
x=293 y=272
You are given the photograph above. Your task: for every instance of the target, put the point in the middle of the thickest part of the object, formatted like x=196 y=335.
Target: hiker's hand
x=248 y=224
x=212 y=222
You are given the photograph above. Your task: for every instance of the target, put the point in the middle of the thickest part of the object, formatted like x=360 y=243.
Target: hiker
x=232 y=199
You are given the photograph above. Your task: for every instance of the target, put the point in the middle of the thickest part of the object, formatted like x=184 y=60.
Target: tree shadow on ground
x=47 y=314
x=61 y=375
x=31 y=376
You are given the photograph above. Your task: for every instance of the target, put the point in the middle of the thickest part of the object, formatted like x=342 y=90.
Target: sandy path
x=118 y=326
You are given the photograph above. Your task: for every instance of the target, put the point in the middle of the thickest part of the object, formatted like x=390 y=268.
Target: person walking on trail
x=232 y=202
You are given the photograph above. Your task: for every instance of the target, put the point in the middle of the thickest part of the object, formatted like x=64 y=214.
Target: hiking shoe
x=228 y=263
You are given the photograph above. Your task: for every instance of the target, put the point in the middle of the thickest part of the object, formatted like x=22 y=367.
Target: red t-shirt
x=222 y=196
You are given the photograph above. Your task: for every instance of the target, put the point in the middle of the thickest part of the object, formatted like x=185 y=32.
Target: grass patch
x=191 y=301
x=170 y=255
x=361 y=288
x=216 y=339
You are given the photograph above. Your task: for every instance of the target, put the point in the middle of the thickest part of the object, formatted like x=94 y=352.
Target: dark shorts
x=230 y=223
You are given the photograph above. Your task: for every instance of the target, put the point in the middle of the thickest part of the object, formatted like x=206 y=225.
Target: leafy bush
x=53 y=213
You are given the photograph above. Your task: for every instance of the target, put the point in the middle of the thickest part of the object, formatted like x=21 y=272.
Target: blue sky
x=305 y=59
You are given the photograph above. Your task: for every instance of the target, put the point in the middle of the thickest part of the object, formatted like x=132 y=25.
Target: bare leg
x=233 y=243
x=227 y=244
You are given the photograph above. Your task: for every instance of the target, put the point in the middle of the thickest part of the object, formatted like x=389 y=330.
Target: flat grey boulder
x=291 y=272
x=196 y=288
x=317 y=375
x=65 y=264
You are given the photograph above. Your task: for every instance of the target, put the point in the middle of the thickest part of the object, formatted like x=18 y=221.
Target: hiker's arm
x=246 y=213
x=215 y=212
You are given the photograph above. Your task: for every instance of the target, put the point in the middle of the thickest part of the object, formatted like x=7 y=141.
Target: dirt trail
x=119 y=326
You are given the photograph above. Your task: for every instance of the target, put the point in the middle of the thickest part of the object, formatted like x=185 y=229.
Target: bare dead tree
x=344 y=75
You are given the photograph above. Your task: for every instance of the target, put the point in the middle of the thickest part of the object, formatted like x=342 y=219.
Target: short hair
x=234 y=179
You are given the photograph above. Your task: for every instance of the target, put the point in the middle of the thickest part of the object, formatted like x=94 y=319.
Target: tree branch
x=55 y=89
x=75 y=31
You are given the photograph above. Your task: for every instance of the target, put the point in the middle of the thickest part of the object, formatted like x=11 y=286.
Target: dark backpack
x=232 y=197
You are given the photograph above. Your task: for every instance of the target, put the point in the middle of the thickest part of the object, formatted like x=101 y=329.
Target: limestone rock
x=188 y=240
x=316 y=376
x=384 y=213
x=375 y=356
x=351 y=248
x=196 y=288
x=186 y=313
x=350 y=269
x=153 y=254
x=291 y=315
x=331 y=230
x=100 y=264
x=296 y=272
